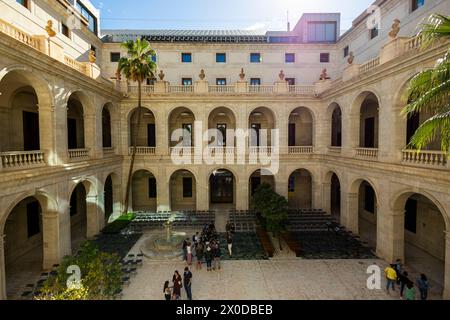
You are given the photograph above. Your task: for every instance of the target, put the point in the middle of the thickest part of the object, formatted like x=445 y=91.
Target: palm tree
x=429 y=90
x=137 y=67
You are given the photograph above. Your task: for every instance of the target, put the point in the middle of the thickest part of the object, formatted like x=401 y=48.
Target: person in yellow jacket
x=391 y=277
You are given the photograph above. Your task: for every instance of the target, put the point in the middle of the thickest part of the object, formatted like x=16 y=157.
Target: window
x=151 y=81
x=151 y=135
x=255 y=57
x=65 y=30
x=187 y=187
x=289 y=58
x=373 y=33
x=221 y=57
x=369 y=199
x=291 y=81
x=346 y=51
x=115 y=56
x=92 y=20
x=33 y=227
x=94 y=49
x=255 y=81
x=291 y=186
x=186 y=57
x=411 y=215
x=187 y=135
x=324 y=57
x=23 y=3
x=416 y=4
x=222 y=128
x=152 y=188
x=186 y=81
x=319 y=31
x=221 y=81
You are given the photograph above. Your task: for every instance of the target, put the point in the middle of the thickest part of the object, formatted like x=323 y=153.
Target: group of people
x=174 y=292
x=396 y=275
x=205 y=247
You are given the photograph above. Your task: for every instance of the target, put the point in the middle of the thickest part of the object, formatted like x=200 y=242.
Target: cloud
x=259 y=26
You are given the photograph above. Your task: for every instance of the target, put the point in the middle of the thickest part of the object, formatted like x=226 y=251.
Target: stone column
x=93 y=134
x=47 y=133
x=94 y=216
x=321 y=131
x=349 y=214
x=390 y=234
x=60 y=154
x=202 y=188
x=65 y=232
x=317 y=201
x=446 y=293
x=163 y=195
x=350 y=133
x=162 y=132
x=326 y=197
x=51 y=239
x=2 y=269
x=241 y=193
x=281 y=185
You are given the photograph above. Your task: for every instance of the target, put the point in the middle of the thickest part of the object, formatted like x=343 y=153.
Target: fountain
x=166 y=245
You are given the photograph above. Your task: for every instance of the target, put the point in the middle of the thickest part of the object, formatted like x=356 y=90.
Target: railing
x=261 y=89
x=142 y=150
x=367 y=152
x=108 y=150
x=260 y=150
x=79 y=66
x=300 y=150
x=19 y=35
x=79 y=154
x=145 y=89
x=333 y=149
x=221 y=89
x=20 y=159
x=301 y=89
x=369 y=65
x=413 y=44
x=181 y=151
x=425 y=157
x=181 y=89
x=220 y=151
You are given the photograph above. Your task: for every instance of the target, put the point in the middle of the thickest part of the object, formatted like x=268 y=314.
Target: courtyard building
x=325 y=108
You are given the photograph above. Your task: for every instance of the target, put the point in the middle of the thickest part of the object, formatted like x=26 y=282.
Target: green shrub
x=101 y=276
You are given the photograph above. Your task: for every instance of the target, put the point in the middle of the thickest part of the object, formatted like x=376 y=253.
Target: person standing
x=185 y=242
x=208 y=257
x=177 y=285
x=410 y=293
x=230 y=244
x=391 y=277
x=167 y=292
x=188 y=283
x=217 y=255
x=199 y=254
x=423 y=285
x=403 y=280
x=189 y=254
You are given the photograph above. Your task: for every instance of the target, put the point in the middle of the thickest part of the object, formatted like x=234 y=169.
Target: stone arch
x=144 y=186
x=146 y=136
x=181 y=118
x=298 y=195
x=302 y=127
x=181 y=198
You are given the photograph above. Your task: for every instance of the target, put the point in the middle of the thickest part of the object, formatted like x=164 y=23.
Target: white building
x=66 y=128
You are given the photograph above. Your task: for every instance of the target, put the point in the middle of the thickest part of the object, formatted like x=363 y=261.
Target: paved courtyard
x=282 y=279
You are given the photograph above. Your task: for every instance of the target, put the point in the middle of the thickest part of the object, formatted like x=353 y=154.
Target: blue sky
x=219 y=14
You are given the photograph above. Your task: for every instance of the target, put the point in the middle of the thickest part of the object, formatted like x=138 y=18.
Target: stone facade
x=48 y=82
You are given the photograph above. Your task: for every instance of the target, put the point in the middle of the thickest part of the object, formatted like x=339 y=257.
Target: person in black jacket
x=403 y=280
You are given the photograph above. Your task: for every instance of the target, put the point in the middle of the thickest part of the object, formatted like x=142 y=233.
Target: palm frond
x=437 y=126
x=436 y=27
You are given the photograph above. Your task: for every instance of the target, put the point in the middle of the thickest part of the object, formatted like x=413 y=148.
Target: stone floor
x=282 y=278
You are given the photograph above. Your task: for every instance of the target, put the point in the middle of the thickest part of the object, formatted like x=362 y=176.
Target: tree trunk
x=133 y=154
x=279 y=240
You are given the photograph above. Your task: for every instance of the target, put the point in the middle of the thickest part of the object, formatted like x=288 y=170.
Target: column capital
x=50 y=215
x=447 y=235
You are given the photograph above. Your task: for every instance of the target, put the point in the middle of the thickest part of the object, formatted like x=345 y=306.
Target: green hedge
x=119 y=224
